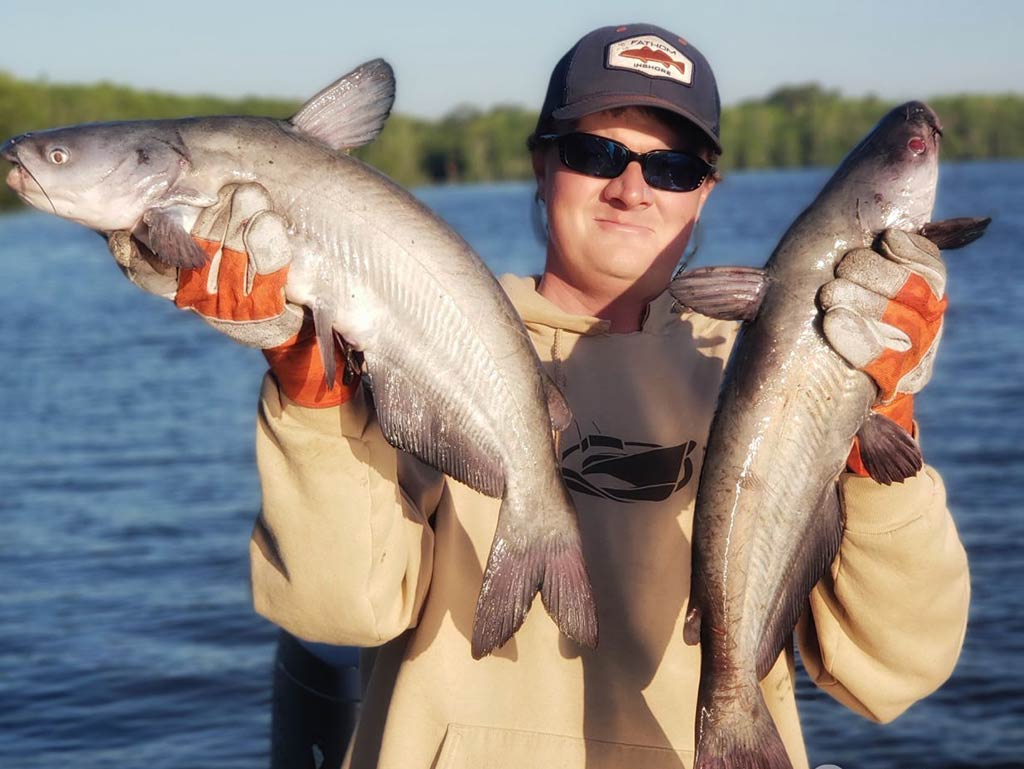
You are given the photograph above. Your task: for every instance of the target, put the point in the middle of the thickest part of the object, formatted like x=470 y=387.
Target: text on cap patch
x=650 y=55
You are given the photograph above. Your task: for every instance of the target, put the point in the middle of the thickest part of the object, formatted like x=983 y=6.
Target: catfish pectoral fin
x=169 y=241
x=323 y=316
x=956 y=233
x=890 y=454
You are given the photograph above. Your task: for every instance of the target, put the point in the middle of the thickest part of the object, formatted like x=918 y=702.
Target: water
x=128 y=490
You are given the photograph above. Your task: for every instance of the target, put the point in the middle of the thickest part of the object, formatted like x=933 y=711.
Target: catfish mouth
x=7 y=150
x=18 y=180
x=17 y=177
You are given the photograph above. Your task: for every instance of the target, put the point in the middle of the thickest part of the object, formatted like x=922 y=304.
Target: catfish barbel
x=455 y=379
x=768 y=520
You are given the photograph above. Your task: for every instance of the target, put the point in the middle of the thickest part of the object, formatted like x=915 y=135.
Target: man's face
x=617 y=236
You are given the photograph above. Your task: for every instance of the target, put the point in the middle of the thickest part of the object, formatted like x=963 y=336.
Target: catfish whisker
x=25 y=169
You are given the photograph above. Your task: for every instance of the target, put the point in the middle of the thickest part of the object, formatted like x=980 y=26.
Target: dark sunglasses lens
x=675 y=171
x=593 y=155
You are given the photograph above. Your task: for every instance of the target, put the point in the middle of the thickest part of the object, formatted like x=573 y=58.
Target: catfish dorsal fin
x=726 y=293
x=351 y=111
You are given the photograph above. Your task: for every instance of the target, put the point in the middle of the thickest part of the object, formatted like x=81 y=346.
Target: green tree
x=795 y=125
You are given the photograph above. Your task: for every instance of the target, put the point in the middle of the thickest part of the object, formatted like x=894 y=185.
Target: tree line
x=802 y=125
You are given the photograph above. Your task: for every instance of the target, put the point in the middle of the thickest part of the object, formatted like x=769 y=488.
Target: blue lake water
x=128 y=490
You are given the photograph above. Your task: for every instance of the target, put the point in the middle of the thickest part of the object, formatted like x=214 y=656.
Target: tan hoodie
x=358 y=544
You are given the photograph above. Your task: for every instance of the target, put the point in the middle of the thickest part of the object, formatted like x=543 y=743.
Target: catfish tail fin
x=736 y=731
x=518 y=567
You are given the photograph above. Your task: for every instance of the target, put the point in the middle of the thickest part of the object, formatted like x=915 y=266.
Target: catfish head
x=101 y=175
x=890 y=178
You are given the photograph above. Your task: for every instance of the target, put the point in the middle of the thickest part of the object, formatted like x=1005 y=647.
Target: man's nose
x=630 y=188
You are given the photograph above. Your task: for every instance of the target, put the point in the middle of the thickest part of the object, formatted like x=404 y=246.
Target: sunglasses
x=606 y=159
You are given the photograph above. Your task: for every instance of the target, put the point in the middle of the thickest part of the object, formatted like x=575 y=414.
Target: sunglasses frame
x=640 y=157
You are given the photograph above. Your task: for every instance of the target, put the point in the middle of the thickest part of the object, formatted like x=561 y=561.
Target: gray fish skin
x=767 y=521
x=454 y=376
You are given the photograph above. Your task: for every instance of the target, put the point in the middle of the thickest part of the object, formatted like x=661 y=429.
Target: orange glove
x=883 y=314
x=298 y=367
x=240 y=289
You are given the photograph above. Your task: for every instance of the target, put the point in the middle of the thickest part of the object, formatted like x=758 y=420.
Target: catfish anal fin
x=889 y=453
x=955 y=233
x=818 y=548
x=726 y=293
x=415 y=419
x=169 y=241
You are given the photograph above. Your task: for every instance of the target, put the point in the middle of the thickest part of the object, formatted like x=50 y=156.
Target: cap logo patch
x=651 y=56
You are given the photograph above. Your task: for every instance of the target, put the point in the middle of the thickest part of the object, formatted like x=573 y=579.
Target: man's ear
x=538 y=156
x=705 y=191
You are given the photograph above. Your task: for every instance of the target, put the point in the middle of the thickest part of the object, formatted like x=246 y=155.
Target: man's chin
x=645 y=273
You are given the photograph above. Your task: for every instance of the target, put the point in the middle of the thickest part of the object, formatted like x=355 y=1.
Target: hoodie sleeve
x=342 y=551
x=887 y=623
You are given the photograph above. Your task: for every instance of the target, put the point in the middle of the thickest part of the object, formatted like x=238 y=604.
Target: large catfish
x=454 y=377
x=768 y=520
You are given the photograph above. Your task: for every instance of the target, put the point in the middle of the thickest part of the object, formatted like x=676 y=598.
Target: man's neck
x=623 y=310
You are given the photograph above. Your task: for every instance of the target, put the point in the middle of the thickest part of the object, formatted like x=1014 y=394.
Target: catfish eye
x=59 y=156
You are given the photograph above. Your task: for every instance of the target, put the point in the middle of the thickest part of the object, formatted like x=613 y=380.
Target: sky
x=448 y=53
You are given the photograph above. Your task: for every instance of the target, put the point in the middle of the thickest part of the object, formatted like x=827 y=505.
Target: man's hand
x=240 y=289
x=883 y=314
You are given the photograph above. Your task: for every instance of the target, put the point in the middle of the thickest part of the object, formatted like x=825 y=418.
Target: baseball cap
x=632 y=65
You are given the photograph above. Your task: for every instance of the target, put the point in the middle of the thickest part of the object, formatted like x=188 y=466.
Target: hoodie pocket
x=485 y=747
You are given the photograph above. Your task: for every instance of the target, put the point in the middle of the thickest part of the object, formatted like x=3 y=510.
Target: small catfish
x=455 y=379
x=768 y=521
